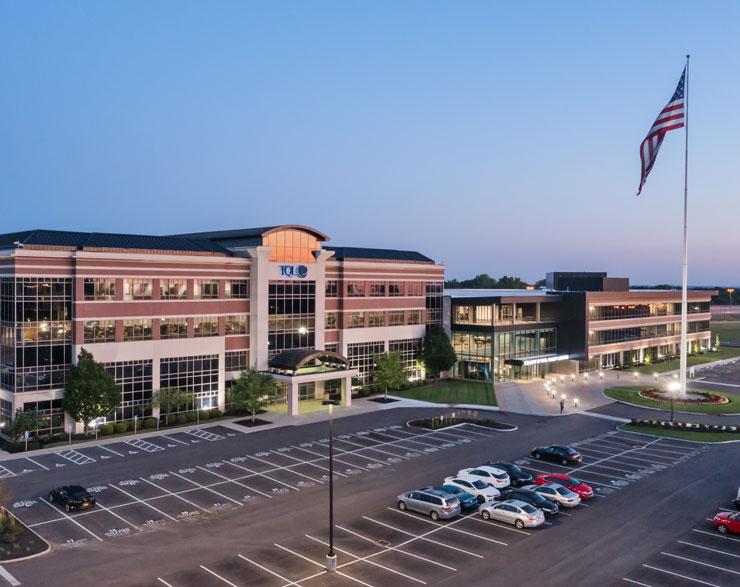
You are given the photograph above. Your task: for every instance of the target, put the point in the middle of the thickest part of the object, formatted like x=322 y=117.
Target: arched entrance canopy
x=295 y=359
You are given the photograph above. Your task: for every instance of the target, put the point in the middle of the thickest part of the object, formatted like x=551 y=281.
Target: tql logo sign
x=299 y=271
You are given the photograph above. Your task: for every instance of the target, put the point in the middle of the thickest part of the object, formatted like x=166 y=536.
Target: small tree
x=91 y=392
x=252 y=391
x=25 y=420
x=169 y=399
x=389 y=371
x=437 y=352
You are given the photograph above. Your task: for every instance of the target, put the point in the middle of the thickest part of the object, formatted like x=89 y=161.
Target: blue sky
x=494 y=137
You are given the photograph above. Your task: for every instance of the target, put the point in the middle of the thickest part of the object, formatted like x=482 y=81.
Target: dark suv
x=72 y=497
x=564 y=455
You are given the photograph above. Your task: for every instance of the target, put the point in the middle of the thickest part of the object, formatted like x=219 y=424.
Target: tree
x=252 y=391
x=25 y=420
x=169 y=399
x=389 y=371
x=437 y=352
x=91 y=392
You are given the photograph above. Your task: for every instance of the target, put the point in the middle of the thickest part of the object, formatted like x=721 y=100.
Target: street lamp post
x=730 y=291
x=672 y=389
x=331 y=558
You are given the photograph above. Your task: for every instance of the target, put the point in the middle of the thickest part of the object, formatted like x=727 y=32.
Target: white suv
x=494 y=476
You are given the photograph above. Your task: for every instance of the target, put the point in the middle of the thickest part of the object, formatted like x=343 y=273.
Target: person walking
x=562 y=405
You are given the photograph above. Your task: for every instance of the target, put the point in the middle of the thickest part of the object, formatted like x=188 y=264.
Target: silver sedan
x=557 y=493
x=513 y=511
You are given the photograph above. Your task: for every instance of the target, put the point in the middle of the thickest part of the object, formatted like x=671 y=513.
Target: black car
x=532 y=498
x=72 y=497
x=564 y=455
x=517 y=475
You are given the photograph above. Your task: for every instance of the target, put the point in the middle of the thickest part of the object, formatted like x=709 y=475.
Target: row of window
x=359 y=289
x=97 y=331
x=621 y=311
x=371 y=319
x=643 y=332
x=104 y=288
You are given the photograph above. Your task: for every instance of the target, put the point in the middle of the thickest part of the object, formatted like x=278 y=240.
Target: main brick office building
x=192 y=311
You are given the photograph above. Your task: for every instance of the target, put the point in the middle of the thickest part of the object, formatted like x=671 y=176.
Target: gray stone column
x=293 y=398
x=347 y=391
x=258 y=306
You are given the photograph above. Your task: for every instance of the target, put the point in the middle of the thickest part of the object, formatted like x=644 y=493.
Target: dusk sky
x=494 y=137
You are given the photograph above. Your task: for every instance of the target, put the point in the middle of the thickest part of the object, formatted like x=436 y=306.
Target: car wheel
x=722 y=529
x=481 y=499
x=434 y=515
x=486 y=515
x=537 y=455
x=519 y=524
x=402 y=506
x=564 y=461
x=68 y=507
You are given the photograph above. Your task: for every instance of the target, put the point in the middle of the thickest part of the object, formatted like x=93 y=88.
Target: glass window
x=414 y=317
x=95 y=331
x=292 y=246
x=236 y=360
x=376 y=289
x=332 y=288
x=331 y=320
x=355 y=319
x=140 y=329
x=137 y=289
x=414 y=288
x=173 y=328
x=205 y=326
x=291 y=320
x=375 y=319
x=134 y=379
x=434 y=292
x=237 y=289
x=361 y=357
x=395 y=318
x=395 y=288
x=197 y=375
x=97 y=288
x=410 y=350
x=173 y=289
x=205 y=289
x=237 y=324
x=355 y=289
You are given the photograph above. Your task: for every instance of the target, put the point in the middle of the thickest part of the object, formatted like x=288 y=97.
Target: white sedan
x=557 y=493
x=475 y=486
x=494 y=476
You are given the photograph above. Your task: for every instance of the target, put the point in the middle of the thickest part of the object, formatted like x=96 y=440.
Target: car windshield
x=529 y=509
x=513 y=469
x=452 y=490
x=79 y=493
x=500 y=476
x=570 y=451
x=563 y=491
x=573 y=482
x=479 y=484
x=536 y=497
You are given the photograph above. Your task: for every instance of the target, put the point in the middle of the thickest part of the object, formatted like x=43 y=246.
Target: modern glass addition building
x=192 y=311
x=581 y=321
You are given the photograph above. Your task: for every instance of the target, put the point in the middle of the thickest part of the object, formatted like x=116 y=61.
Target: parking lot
x=177 y=494
x=724 y=375
x=391 y=547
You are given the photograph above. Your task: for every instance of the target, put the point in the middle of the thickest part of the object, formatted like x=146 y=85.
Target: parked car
x=579 y=487
x=431 y=502
x=517 y=475
x=557 y=493
x=72 y=497
x=475 y=486
x=514 y=512
x=467 y=500
x=494 y=476
x=727 y=522
x=564 y=455
x=532 y=498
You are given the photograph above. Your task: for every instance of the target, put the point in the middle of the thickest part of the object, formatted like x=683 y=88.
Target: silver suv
x=434 y=503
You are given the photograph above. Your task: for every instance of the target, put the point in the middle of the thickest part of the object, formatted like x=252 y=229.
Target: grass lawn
x=682 y=434
x=691 y=361
x=464 y=392
x=727 y=330
x=628 y=394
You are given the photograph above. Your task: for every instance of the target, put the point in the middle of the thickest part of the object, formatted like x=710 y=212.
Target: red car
x=727 y=522
x=571 y=483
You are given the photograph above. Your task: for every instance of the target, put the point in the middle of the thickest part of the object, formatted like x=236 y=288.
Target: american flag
x=670 y=118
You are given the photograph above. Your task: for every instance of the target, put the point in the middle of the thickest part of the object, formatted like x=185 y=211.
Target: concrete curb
x=30 y=556
x=607 y=417
x=712 y=442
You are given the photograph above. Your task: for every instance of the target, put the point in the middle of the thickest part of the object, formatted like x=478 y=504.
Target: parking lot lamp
x=576 y=402
x=672 y=389
x=331 y=558
x=601 y=375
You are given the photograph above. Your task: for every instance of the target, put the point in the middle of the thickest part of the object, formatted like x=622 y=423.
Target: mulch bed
x=250 y=424
x=25 y=544
x=441 y=422
x=382 y=400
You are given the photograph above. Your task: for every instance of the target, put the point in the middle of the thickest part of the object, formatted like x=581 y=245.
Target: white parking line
x=497 y=524
x=716 y=534
x=234 y=481
x=410 y=440
x=696 y=562
x=375 y=448
x=309 y=462
x=161 y=580
x=624 y=455
x=174 y=439
x=9 y=578
x=291 y=470
x=144 y=445
x=396 y=550
x=365 y=560
x=111 y=512
x=449 y=527
x=174 y=494
x=111 y=450
x=681 y=576
x=255 y=473
x=320 y=565
x=288 y=581
x=422 y=537
x=146 y=503
x=37 y=464
x=76 y=457
x=71 y=519
x=218 y=576
x=530 y=467
x=204 y=434
x=635 y=582
x=707 y=548
x=206 y=488
x=5 y=473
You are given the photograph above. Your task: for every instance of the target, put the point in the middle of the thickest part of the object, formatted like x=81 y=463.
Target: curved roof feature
x=294 y=359
x=246 y=233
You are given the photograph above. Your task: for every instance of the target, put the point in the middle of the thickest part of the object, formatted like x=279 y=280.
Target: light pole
x=331 y=558
x=730 y=291
x=672 y=389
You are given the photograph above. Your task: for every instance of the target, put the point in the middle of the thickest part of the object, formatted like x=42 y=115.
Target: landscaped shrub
x=191 y=417
x=690 y=426
x=106 y=429
x=707 y=397
x=120 y=427
x=181 y=419
x=216 y=413
x=204 y=415
x=150 y=423
x=133 y=425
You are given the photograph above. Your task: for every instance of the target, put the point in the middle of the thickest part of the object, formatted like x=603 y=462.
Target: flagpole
x=684 y=342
